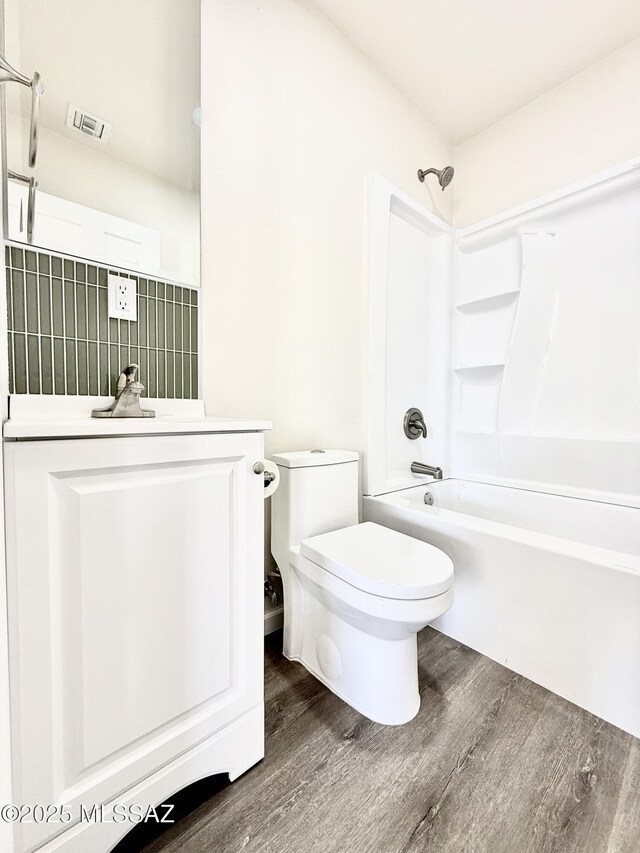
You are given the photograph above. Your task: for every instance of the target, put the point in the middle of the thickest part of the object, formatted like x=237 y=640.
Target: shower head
x=445 y=176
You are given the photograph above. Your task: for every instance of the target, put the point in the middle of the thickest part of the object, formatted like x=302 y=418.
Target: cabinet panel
x=129 y=622
x=135 y=569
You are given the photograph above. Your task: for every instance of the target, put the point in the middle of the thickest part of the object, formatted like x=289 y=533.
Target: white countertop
x=34 y=416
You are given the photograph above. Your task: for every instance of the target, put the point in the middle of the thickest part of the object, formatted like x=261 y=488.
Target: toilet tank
x=318 y=492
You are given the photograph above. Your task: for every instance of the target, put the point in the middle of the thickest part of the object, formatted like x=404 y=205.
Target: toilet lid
x=382 y=561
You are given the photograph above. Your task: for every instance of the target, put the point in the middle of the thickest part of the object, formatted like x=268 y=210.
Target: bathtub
x=547 y=585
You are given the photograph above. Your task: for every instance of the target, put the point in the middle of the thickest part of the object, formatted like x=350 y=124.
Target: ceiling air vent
x=88 y=124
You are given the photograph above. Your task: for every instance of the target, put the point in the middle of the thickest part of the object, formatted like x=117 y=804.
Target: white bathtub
x=546 y=585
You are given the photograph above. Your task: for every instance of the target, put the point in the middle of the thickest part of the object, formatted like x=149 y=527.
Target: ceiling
x=466 y=64
x=135 y=63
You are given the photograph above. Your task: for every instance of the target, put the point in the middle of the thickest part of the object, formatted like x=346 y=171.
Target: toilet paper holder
x=269 y=476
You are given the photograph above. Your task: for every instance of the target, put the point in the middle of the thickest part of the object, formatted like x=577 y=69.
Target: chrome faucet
x=420 y=468
x=127 y=401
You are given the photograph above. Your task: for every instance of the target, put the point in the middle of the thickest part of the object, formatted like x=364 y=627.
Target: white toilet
x=355 y=595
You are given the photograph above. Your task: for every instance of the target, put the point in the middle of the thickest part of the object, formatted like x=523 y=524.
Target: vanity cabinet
x=134 y=584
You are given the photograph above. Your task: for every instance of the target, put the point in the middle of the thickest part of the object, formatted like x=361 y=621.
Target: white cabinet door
x=135 y=607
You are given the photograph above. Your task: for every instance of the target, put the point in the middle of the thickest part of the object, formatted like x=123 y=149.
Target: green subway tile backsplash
x=61 y=340
x=32 y=303
x=33 y=353
x=47 y=365
x=94 y=380
x=18 y=300
x=58 y=366
x=10 y=358
x=70 y=362
x=44 y=300
x=20 y=363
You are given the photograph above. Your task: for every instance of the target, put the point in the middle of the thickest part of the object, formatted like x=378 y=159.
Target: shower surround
x=519 y=344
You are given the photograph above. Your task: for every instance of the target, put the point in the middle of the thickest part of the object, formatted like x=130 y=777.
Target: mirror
x=118 y=152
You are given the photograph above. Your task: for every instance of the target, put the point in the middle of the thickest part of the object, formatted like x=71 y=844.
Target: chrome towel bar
x=31 y=204
x=8 y=74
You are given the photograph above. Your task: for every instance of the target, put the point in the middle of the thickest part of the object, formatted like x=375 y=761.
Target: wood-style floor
x=491 y=764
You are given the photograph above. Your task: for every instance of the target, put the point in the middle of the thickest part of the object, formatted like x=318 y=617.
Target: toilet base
x=376 y=675
x=380 y=705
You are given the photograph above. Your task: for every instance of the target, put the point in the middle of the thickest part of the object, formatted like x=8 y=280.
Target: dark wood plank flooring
x=492 y=764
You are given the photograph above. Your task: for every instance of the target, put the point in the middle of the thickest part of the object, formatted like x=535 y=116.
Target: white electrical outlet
x=123 y=297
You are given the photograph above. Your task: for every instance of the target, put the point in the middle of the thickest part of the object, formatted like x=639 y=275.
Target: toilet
x=355 y=595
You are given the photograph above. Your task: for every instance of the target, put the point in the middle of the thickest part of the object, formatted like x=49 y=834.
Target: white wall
x=294 y=119
x=581 y=127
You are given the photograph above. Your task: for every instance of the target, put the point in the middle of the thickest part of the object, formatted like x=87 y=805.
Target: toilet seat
x=381 y=561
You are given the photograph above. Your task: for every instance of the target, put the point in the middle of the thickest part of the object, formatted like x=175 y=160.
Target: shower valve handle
x=414 y=425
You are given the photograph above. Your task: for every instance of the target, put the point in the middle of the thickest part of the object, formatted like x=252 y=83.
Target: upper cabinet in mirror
x=118 y=154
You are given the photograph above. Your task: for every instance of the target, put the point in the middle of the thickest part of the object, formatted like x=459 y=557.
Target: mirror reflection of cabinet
x=118 y=159
x=74 y=229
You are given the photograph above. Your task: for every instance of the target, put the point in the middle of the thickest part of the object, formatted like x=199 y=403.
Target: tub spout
x=431 y=470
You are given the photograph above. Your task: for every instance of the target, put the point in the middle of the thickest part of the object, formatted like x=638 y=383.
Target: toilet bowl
x=355 y=595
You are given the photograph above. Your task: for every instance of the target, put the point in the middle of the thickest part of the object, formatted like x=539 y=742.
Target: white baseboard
x=273 y=619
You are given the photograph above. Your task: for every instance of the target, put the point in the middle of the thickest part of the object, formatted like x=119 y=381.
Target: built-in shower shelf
x=480 y=370
x=484 y=303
